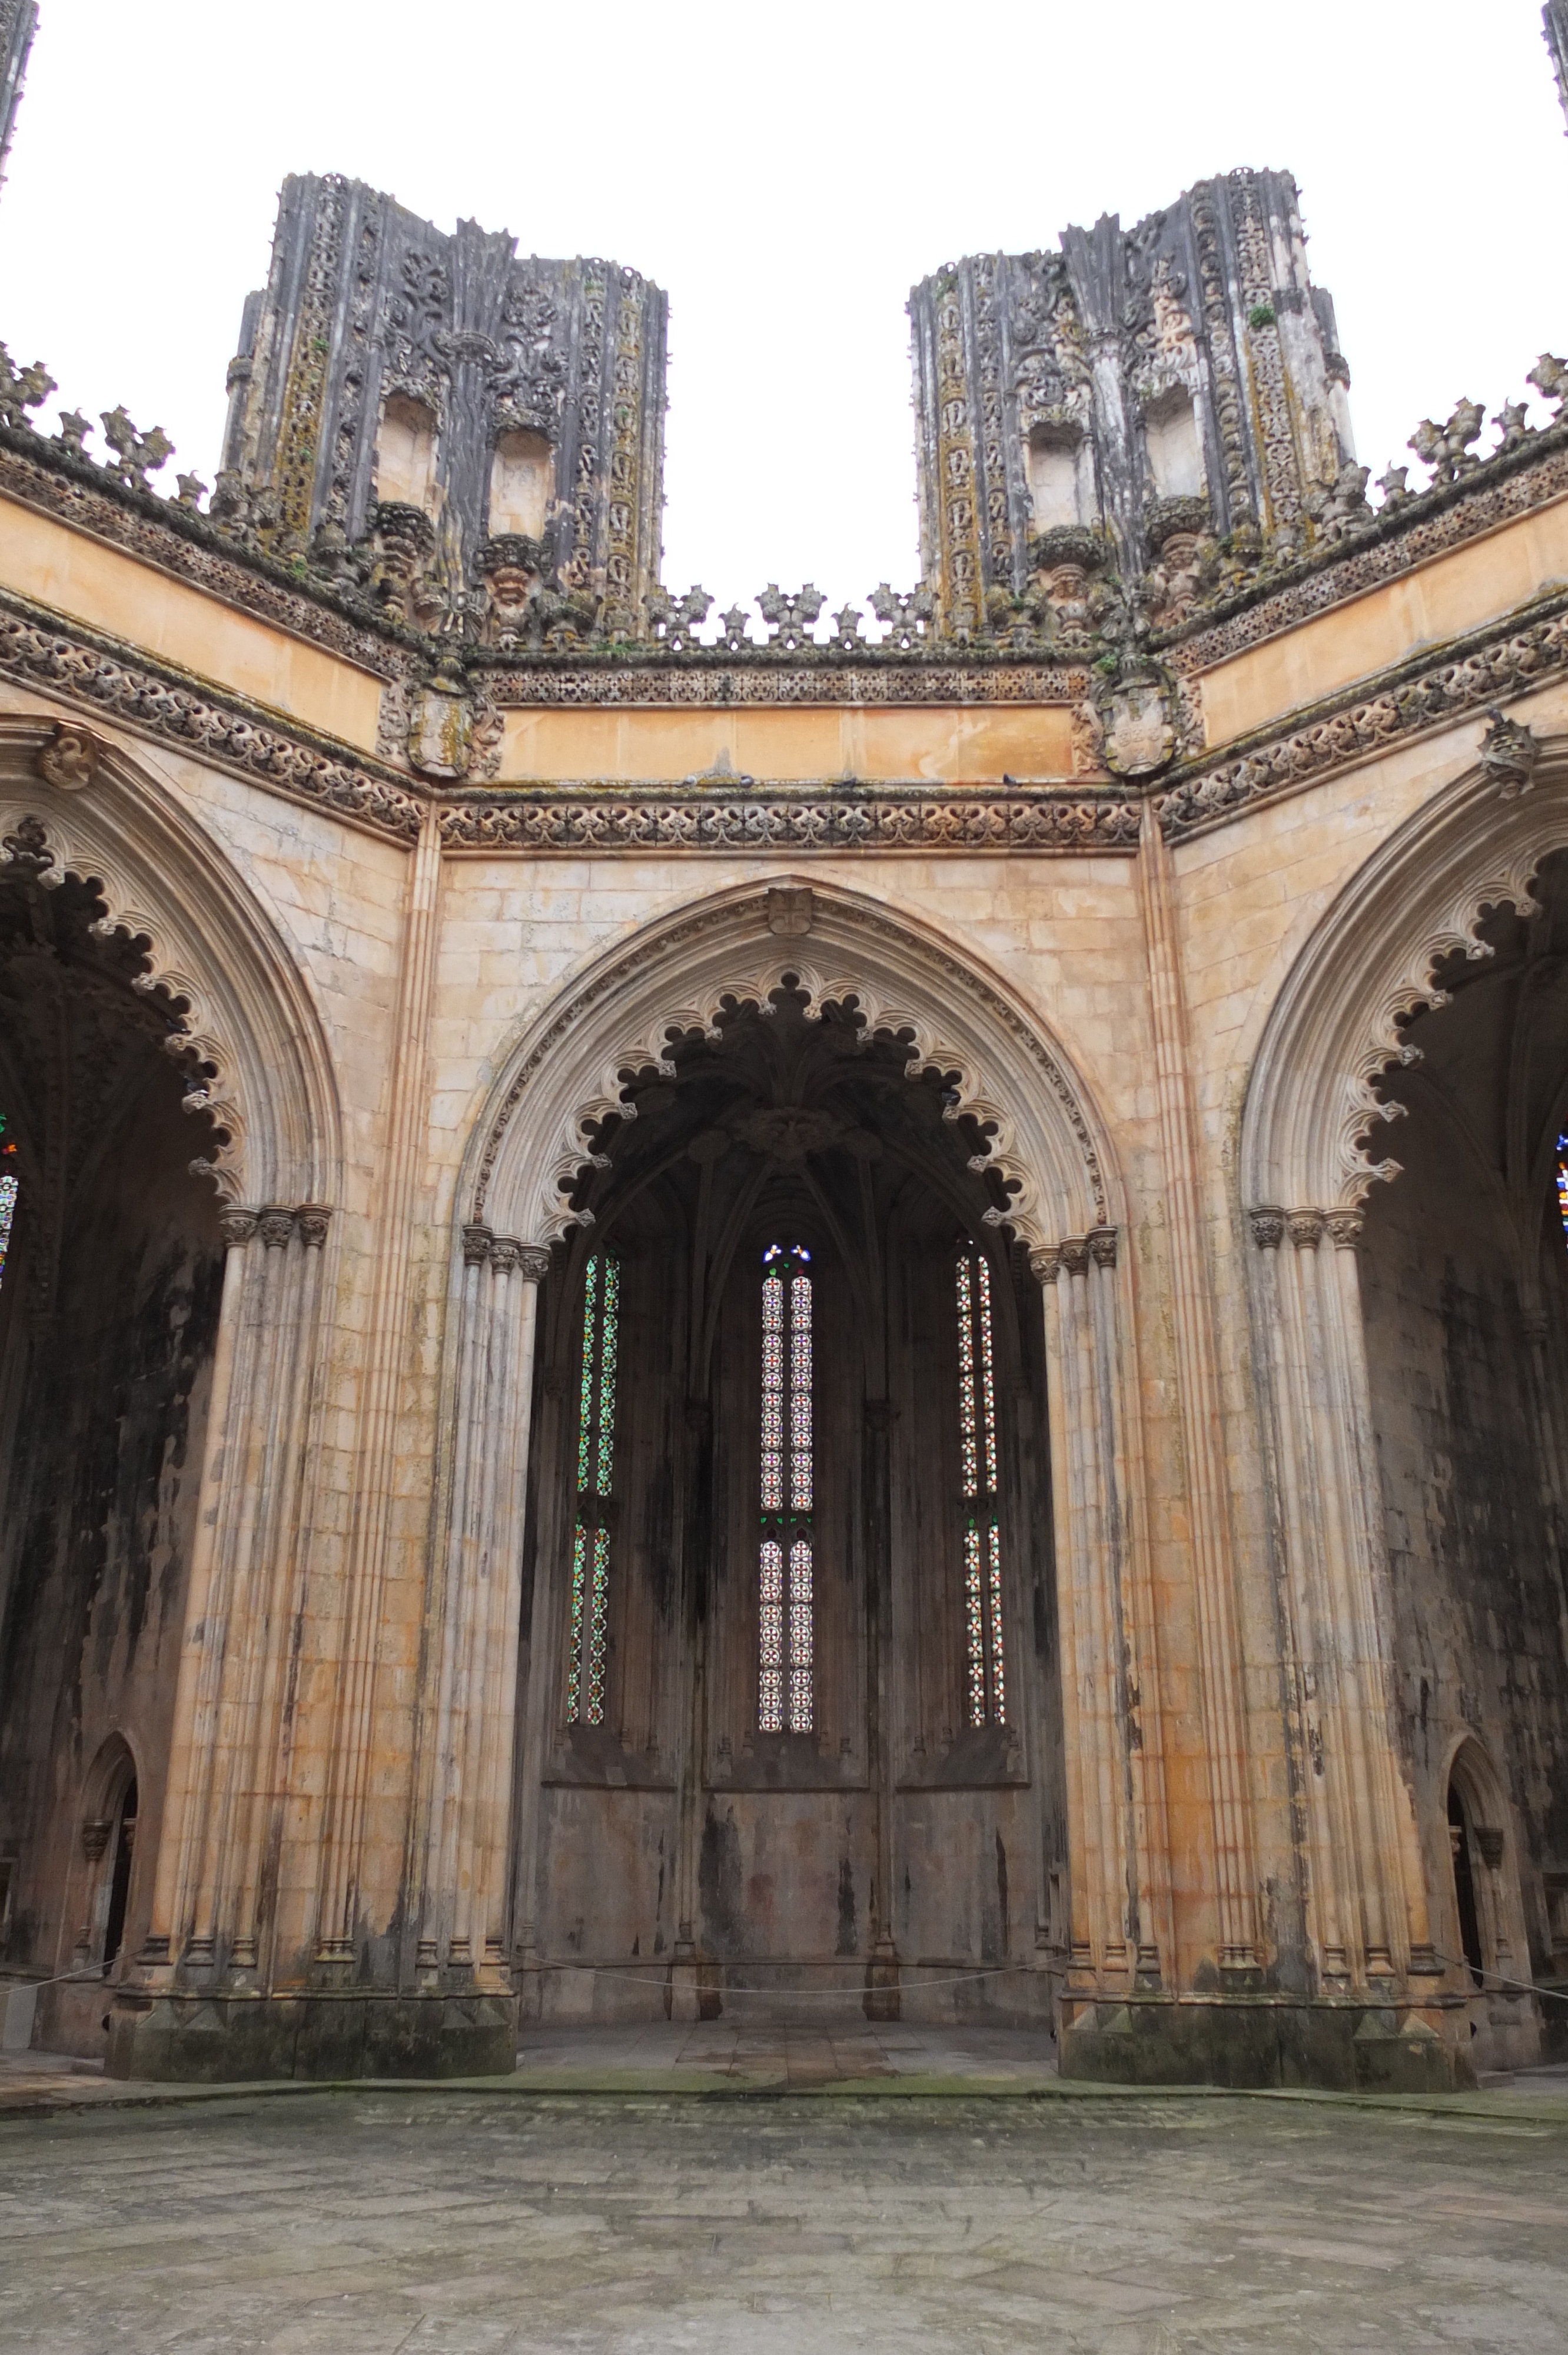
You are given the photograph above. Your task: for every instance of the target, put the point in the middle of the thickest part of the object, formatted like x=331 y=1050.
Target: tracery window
x=787 y=1562
x=596 y=1465
x=7 y=1190
x=985 y=1676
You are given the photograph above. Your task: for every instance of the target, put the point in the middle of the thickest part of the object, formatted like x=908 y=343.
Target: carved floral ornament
x=242 y=1009
x=1340 y=1022
x=567 y=1074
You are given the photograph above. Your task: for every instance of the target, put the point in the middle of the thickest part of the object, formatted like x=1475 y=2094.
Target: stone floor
x=531 y=2217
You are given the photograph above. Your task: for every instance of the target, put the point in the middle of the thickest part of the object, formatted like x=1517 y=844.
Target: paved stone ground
x=491 y=2222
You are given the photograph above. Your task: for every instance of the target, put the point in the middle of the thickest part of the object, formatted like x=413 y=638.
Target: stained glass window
x=786 y=1618
x=985 y=1683
x=596 y=1465
x=1563 y=1181
x=7 y=1190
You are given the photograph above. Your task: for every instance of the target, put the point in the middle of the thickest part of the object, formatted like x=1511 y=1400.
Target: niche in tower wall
x=679 y=1819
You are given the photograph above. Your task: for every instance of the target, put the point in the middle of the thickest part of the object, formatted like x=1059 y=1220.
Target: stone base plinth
x=235 y=2040
x=1253 y=2040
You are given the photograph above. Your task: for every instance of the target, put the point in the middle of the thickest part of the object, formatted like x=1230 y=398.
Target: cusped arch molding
x=565 y=1073
x=244 y=1009
x=1312 y=1098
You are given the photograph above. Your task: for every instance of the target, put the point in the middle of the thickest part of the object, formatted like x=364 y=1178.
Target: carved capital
x=277 y=1226
x=237 y=1227
x=1345 y=1227
x=1075 y=1254
x=1267 y=1227
x=1045 y=1266
x=312 y=1219
x=1305 y=1229
x=95 y=1838
x=1102 y=1243
x=504 y=1253
x=1489 y=1840
x=476 y=1242
x=70 y=759
x=532 y=1262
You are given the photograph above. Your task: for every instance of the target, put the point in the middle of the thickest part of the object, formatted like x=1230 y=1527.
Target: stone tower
x=442 y=393
x=1554 y=20
x=18 y=23
x=1179 y=378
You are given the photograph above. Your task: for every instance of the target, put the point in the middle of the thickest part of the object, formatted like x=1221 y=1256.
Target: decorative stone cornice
x=827 y=817
x=180 y=541
x=156 y=700
x=707 y=677
x=1508 y=658
x=1501 y=488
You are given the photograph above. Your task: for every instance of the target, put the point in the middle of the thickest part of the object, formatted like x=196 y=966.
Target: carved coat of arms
x=1139 y=732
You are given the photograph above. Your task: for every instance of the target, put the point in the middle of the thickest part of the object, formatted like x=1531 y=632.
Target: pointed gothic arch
x=80 y=816
x=208 y=941
x=1038 y=1145
x=1314 y=1105
x=564 y=1073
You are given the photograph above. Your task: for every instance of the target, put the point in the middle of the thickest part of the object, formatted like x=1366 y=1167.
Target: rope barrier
x=1526 y=1987
x=912 y=1987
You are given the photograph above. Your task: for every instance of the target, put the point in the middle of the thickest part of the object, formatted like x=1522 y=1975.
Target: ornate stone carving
x=476 y=1242
x=161 y=704
x=532 y=1262
x=1045 y=1266
x=1509 y=752
x=27 y=852
x=871 y=947
x=312 y=1219
x=1075 y=1255
x=1305 y=1229
x=1102 y=1242
x=236 y=1226
x=795 y=821
x=69 y=760
x=277 y=1228
x=1500 y=661
x=1345 y=1229
x=1267 y=1227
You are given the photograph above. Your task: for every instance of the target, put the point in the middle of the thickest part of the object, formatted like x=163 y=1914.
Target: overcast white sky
x=786 y=173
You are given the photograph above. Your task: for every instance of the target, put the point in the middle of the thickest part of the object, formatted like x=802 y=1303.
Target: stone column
x=225 y=1756
x=1367 y=1905
x=1115 y=1909
x=339 y=1907
x=467 y=1851
x=1211 y=1536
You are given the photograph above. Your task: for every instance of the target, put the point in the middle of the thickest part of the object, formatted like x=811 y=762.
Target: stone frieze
x=161 y=704
x=825 y=820
x=1486 y=668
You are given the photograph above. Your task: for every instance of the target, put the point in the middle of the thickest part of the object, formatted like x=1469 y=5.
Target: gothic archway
x=166 y=1083
x=1409 y=1338
x=787 y=1067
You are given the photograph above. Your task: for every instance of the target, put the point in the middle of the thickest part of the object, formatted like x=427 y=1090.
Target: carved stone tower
x=440 y=392
x=1169 y=382
x=1554 y=20
x=18 y=23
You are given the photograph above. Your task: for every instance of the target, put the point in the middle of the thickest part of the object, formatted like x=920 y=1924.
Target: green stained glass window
x=985 y=1682
x=596 y=1466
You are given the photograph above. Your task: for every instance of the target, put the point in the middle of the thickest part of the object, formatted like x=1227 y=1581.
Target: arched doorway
x=791 y=1077
x=792 y=1562
x=108 y=1316
x=160 y=1056
x=1413 y=1338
